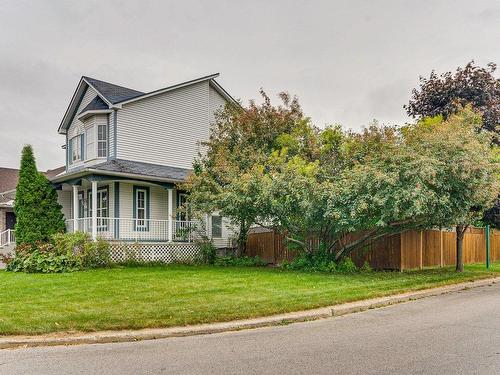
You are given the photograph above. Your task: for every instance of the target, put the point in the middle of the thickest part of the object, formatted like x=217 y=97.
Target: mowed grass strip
x=141 y=297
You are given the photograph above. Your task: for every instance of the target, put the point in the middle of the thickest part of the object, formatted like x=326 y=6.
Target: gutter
x=85 y=171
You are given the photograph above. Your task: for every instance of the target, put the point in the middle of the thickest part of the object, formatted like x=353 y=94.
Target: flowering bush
x=64 y=253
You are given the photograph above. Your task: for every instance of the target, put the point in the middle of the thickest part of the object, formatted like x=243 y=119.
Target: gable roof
x=114 y=96
x=8 y=179
x=210 y=77
x=96 y=104
x=111 y=92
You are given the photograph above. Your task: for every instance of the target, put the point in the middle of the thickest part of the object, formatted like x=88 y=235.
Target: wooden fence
x=407 y=250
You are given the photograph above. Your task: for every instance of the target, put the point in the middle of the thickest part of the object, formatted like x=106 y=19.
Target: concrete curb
x=101 y=337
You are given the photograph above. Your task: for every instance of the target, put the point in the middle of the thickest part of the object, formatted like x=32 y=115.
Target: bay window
x=102 y=141
x=75 y=147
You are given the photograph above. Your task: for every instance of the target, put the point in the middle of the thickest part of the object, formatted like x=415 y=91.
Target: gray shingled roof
x=96 y=104
x=137 y=168
x=8 y=179
x=113 y=93
x=144 y=169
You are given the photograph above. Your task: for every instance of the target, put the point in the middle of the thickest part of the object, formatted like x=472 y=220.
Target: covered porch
x=133 y=208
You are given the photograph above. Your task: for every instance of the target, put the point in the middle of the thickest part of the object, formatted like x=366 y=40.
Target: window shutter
x=82 y=146
x=70 y=152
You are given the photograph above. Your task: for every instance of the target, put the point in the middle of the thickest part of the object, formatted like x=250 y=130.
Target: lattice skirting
x=155 y=252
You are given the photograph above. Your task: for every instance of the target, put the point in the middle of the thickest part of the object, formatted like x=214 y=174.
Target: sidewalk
x=62 y=338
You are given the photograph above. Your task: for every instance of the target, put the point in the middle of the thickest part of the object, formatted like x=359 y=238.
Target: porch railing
x=7 y=237
x=146 y=230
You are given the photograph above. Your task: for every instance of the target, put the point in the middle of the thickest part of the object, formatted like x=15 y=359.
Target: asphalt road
x=457 y=333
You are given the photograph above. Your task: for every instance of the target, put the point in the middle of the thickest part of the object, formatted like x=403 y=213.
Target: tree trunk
x=242 y=240
x=460 y=229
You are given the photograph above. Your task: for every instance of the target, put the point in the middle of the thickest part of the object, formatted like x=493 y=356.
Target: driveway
x=458 y=333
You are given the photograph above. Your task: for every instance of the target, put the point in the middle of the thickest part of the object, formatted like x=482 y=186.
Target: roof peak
x=111 y=92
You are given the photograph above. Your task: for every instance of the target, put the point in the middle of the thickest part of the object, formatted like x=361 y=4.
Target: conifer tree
x=38 y=213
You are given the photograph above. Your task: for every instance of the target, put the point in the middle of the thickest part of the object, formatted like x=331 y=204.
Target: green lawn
x=120 y=298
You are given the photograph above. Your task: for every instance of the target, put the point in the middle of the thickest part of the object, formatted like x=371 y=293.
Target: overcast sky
x=348 y=61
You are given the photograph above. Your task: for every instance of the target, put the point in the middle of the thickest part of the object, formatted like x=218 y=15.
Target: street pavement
x=456 y=333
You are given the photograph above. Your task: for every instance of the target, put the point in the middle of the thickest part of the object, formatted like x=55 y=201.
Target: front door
x=10 y=220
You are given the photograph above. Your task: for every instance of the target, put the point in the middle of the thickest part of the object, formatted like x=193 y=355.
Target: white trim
x=72 y=106
x=137 y=208
x=91 y=112
x=217 y=87
x=99 y=93
x=105 y=141
x=170 y=88
x=117 y=174
x=170 y=215
x=94 y=210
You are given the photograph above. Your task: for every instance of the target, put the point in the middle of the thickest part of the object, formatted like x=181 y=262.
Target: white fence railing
x=128 y=229
x=7 y=237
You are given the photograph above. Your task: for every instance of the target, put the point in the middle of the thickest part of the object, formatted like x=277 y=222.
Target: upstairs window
x=89 y=137
x=102 y=141
x=75 y=146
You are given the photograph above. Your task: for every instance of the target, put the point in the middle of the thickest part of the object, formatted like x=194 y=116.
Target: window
x=216 y=226
x=81 y=205
x=141 y=208
x=182 y=214
x=76 y=149
x=90 y=148
x=102 y=141
x=102 y=208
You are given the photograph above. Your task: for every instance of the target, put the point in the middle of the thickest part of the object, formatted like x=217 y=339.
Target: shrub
x=240 y=261
x=347 y=266
x=65 y=253
x=208 y=251
x=320 y=261
x=366 y=267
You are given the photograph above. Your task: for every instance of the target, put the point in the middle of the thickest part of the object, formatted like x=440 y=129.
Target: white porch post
x=75 y=208
x=170 y=215
x=94 y=210
x=207 y=225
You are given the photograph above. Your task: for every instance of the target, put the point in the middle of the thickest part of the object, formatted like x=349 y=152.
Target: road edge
x=102 y=337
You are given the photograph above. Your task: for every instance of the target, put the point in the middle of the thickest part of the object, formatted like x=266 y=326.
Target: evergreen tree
x=38 y=213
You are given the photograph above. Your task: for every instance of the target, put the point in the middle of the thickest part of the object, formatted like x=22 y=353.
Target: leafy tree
x=446 y=93
x=38 y=213
x=466 y=174
x=228 y=177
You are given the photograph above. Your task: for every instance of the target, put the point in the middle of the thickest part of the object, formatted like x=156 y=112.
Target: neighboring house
x=126 y=151
x=8 y=183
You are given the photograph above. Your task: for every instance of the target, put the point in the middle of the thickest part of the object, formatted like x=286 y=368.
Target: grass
x=163 y=296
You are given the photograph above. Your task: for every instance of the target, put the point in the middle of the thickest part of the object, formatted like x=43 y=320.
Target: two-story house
x=125 y=152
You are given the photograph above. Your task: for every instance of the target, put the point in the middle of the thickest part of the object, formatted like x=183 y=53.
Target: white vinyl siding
x=217 y=102
x=111 y=134
x=77 y=126
x=158 y=201
x=65 y=199
x=166 y=128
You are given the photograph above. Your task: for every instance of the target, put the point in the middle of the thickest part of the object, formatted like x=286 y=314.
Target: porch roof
x=128 y=169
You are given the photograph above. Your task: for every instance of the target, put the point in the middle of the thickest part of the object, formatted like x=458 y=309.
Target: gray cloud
x=348 y=61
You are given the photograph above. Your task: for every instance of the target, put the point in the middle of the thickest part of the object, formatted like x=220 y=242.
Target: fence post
x=441 y=260
x=421 y=249
x=487 y=235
